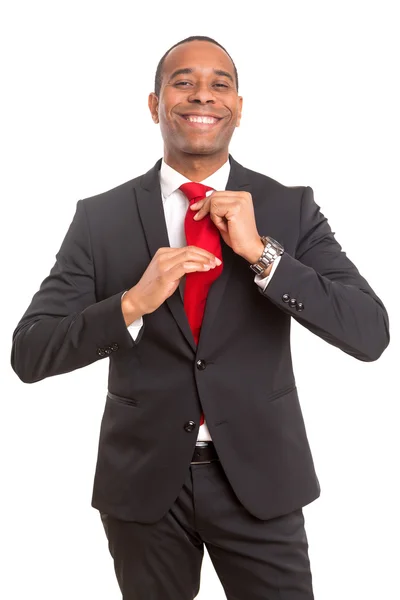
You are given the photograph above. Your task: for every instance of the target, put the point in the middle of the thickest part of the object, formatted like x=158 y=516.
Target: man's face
x=197 y=109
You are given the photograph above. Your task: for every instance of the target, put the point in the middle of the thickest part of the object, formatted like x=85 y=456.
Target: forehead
x=199 y=56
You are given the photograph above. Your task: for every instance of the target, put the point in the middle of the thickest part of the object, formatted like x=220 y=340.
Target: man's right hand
x=162 y=277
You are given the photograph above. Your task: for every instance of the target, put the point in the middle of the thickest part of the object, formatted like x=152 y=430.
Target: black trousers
x=254 y=559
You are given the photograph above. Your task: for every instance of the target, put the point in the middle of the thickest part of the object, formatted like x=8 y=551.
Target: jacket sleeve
x=64 y=327
x=323 y=290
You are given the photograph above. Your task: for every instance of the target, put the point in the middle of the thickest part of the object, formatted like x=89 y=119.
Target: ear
x=240 y=101
x=153 y=106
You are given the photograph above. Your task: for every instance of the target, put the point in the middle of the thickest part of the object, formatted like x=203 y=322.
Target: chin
x=200 y=148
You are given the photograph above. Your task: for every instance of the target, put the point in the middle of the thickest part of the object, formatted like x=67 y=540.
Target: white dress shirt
x=175 y=205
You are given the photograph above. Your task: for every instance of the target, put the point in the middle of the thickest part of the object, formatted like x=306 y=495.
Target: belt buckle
x=202 y=444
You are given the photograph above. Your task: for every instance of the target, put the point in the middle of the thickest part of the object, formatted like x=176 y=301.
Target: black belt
x=204 y=452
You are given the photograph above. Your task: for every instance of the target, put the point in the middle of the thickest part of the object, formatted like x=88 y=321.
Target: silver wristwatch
x=272 y=249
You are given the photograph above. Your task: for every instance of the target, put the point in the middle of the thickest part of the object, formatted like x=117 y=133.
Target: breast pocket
x=282 y=392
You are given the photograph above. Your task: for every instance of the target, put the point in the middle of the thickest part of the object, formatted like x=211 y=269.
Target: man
x=194 y=313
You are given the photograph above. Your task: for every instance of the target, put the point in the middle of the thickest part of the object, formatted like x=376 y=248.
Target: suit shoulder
x=117 y=194
x=260 y=180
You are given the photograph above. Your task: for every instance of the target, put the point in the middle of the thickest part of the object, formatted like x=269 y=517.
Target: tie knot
x=194 y=191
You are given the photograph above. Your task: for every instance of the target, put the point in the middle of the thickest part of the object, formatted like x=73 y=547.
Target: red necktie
x=203 y=234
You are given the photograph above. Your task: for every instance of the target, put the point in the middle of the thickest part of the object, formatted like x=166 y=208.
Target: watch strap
x=272 y=249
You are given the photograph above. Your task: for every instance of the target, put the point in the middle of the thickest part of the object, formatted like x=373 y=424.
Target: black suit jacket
x=156 y=391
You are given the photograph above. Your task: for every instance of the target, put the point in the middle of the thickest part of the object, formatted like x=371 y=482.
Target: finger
x=225 y=198
x=179 y=270
x=196 y=253
x=227 y=194
x=198 y=204
x=227 y=208
x=204 y=210
x=168 y=253
x=191 y=254
x=217 y=211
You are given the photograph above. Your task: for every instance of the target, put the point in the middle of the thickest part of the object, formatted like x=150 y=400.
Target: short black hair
x=201 y=38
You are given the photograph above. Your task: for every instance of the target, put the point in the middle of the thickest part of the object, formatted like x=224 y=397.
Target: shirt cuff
x=135 y=327
x=262 y=282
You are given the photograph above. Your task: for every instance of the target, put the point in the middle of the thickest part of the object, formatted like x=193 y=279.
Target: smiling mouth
x=197 y=121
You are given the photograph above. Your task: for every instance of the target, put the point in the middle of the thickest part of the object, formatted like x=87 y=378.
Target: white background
x=321 y=107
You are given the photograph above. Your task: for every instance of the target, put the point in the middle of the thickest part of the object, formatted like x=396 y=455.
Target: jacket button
x=292 y=302
x=201 y=365
x=300 y=306
x=189 y=426
x=286 y=297
x=101 y=352
x=107 y=350
x=114 y=347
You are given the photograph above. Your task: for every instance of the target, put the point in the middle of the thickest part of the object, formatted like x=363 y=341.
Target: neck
x=195 y=167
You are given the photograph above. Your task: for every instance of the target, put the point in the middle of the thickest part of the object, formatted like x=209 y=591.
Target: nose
x=201 y=94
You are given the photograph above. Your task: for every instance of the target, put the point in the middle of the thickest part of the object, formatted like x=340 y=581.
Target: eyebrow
x=188 y=71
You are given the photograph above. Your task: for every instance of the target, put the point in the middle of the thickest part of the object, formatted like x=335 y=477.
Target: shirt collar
x=171 y=180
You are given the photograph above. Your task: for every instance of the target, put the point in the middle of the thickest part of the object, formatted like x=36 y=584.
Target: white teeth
x=195 y=119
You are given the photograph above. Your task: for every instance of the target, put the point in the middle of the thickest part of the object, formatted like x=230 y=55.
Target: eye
x=221 y=85
x=182 y=83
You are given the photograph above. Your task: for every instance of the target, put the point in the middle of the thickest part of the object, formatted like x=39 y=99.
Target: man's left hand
x=233 y=215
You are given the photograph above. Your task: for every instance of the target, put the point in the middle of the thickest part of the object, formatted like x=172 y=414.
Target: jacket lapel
x=151 y=211
x=238 y=181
